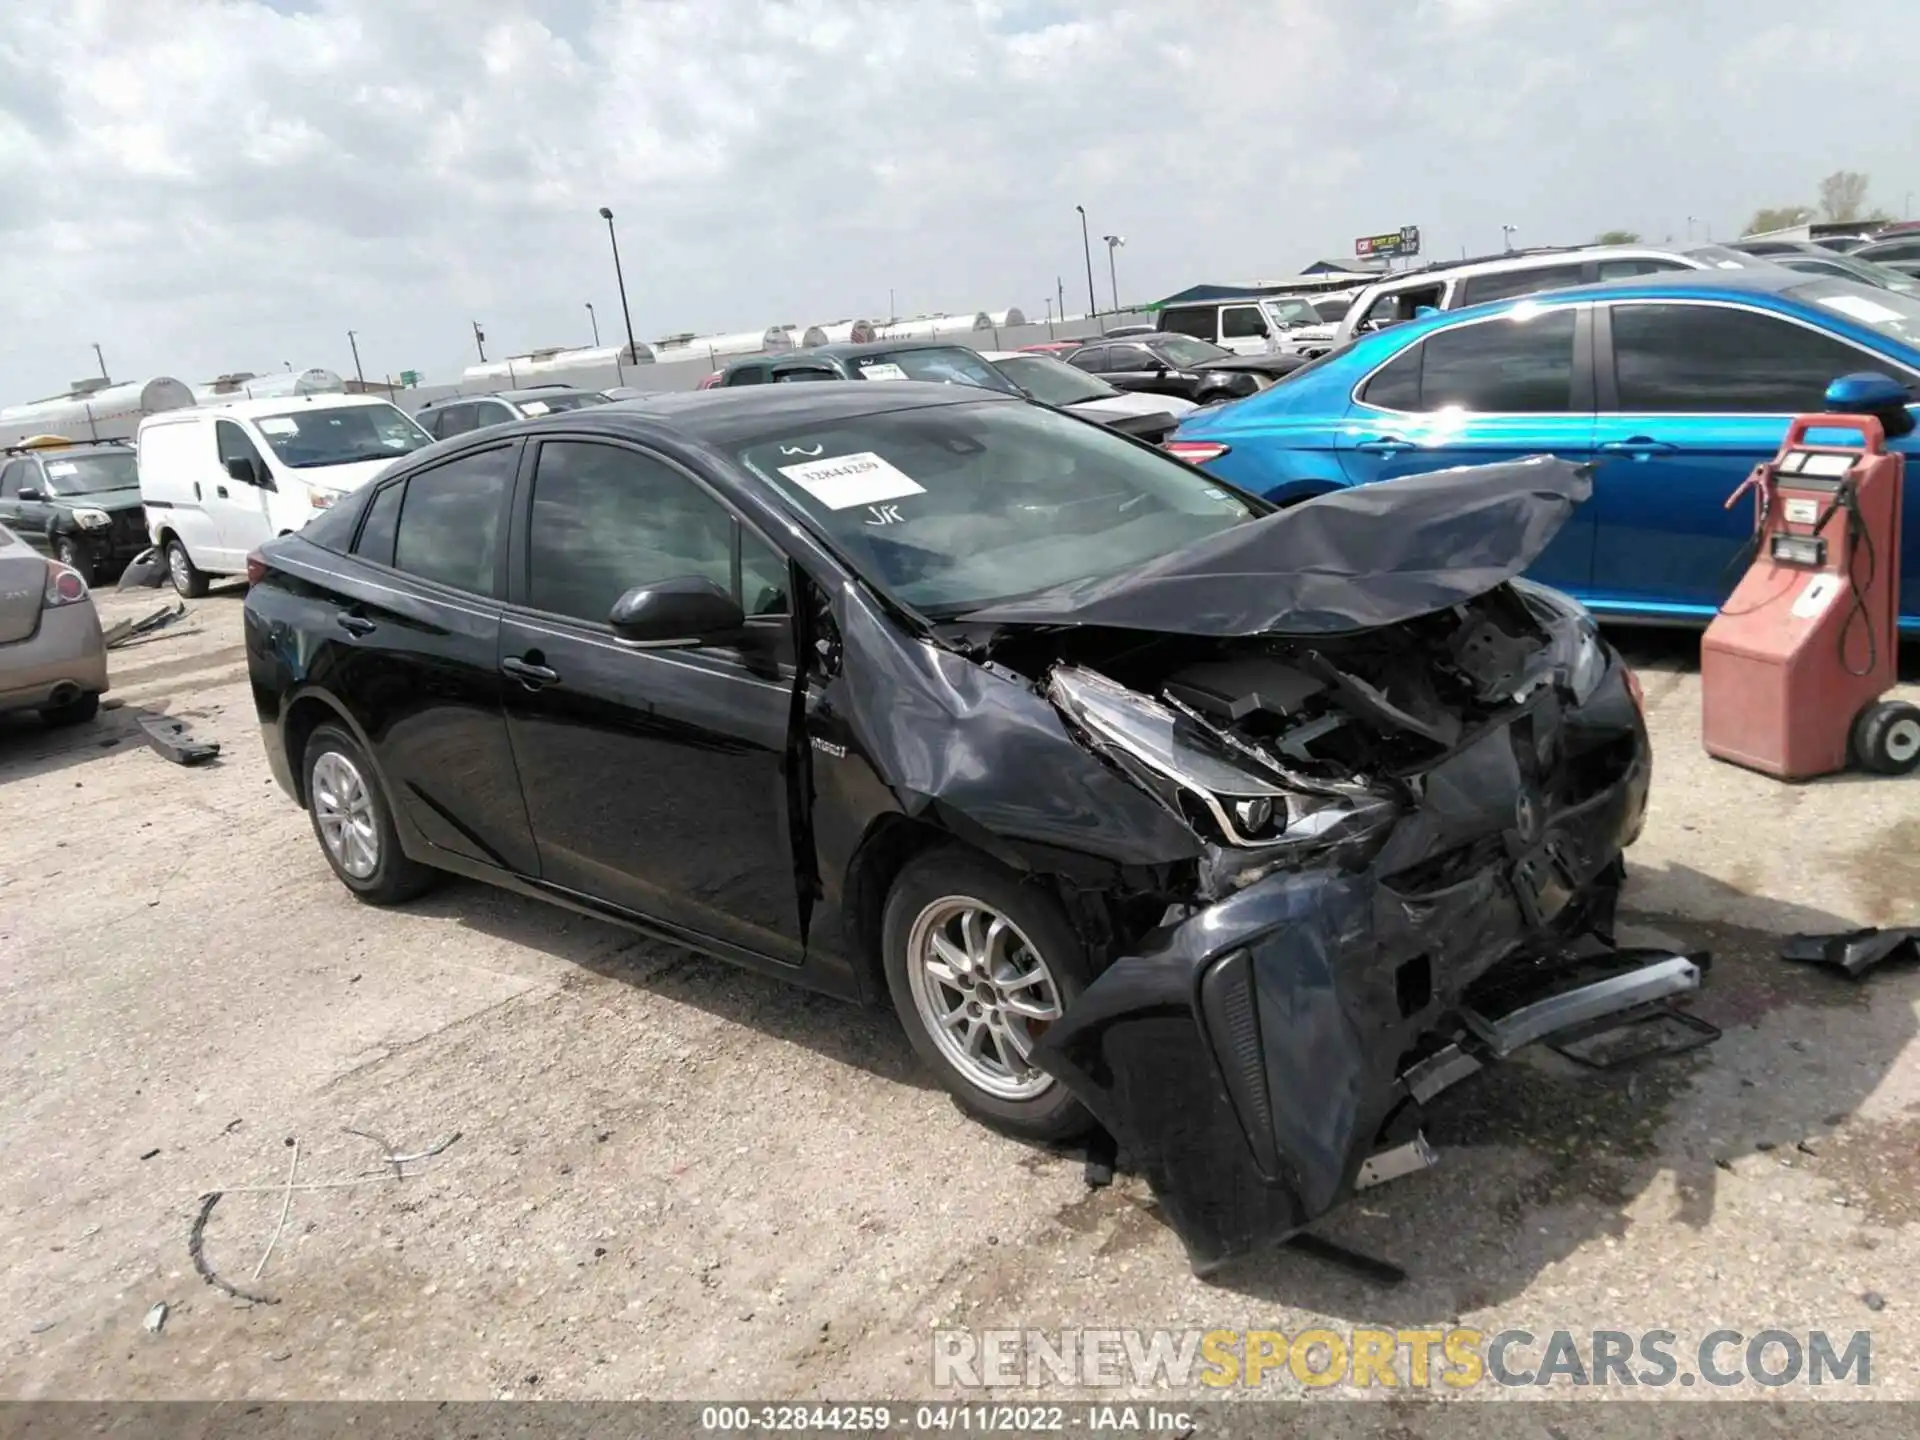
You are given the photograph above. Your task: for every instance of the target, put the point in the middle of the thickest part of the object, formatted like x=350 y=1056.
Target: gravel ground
x=676 y=1179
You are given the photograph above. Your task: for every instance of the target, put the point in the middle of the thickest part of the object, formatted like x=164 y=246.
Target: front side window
x=1095 y=361
x=1713 y=359
x=322 y=435
x=449 y=524
x=14 y=479
x=1242 y=322
x=1518 y=365
x=233 y=444
x=747 y=375
x=1621 y=269
x=606 y=519
x=951 y=507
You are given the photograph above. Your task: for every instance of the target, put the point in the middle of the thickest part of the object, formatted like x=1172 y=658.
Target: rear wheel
x=186 y=577
x=979 y=966
x=353 y=824
x=1886 y=738
x=73 y=712
x=68 y=551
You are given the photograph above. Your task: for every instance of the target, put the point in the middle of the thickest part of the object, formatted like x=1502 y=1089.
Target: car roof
x=849 y=350
x=247 y=409
x=727 y=414
x=1525 y=260
x=56 y=452
x=512 y=397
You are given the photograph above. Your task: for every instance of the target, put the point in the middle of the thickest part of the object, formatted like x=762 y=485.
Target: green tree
x=1778 y=217
x=1843 y=195
x=1617 y=237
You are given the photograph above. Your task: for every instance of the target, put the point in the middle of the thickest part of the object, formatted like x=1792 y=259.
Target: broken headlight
x=1222 y=787
x=1578 y=651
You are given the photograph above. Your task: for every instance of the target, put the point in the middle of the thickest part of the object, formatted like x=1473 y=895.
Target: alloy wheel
x=179 y=567
x=983 y=993
x=343 y=809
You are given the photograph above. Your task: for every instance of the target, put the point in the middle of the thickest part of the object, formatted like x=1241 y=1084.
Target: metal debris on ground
x=1853 y=951
x=393 y=1172
x=121 y=631
x=174 y=739
x=156 y=1317
x=145 y=571
x=1617 y=1041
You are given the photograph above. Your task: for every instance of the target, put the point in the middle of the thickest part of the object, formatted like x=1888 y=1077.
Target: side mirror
x=31 y=493
x=240 y=468
x=682 y=611
x=1869 y=392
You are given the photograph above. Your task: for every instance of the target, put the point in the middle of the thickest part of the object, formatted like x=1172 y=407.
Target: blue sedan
x=1675 y=386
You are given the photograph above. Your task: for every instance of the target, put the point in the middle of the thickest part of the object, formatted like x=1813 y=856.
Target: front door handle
x=530 y=674
x=354 y=624
x=221 y=491
x=1639 y=446
x=196 y=489
x=1384 y=445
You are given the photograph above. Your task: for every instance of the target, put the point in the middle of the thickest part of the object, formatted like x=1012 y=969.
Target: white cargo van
x=220 y=479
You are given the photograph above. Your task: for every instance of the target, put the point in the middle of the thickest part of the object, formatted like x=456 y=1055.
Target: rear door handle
x=1640 y=445
x=1384 y=445
x=529 y=674
x=354 y=624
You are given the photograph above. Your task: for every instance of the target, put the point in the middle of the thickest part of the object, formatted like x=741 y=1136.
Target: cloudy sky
x=205 y=187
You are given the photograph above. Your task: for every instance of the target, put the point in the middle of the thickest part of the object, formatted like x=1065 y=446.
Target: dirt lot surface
x=676 y=1179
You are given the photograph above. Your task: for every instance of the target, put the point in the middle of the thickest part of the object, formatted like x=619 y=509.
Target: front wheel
x=979 y=966
x=353 y=824
x=186 y=576
x=69 y=552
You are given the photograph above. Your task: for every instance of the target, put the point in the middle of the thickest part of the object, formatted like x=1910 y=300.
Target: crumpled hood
x=1356 y=559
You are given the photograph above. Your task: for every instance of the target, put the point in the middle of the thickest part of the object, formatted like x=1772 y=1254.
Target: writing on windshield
x=340 y=435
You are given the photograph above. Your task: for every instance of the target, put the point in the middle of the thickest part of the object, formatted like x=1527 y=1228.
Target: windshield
x=340 y=434
x=1292 y=310
x=942 y=364
x=1054 y=382
x=1183 y=350
x=950 y=507
x=1894 y=315
x=561 y=400
x=90 y=474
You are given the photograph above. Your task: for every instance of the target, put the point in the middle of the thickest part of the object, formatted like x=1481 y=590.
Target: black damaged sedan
x=1239 y=832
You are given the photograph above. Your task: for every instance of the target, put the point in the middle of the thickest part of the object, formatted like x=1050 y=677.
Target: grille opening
x=1413 y=986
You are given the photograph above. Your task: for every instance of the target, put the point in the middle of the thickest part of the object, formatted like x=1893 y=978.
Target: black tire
x=951 y=872
x=70 y=552
x=185 y=575
x=1886 y=738
x=74 y=712
x=395 y=877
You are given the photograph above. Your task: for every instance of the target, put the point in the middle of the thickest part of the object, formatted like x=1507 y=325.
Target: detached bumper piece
x=1637 y=979
x=174 y=740
x=1853 y=952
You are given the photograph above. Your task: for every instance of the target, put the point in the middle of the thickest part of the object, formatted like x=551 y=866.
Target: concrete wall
x=687 y=374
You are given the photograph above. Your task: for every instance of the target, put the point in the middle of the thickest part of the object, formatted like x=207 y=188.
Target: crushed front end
x=1405 y=827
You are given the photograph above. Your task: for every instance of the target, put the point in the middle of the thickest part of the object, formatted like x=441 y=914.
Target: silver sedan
x=53 y=657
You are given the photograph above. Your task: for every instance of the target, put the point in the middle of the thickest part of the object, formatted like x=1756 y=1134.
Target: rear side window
x=1094 y=361
x=383 y=523
x=449 y=526
x=1498 y=367
x=1477 y=289
x=1620 y=269
x=746 y=375
x=1896 y=250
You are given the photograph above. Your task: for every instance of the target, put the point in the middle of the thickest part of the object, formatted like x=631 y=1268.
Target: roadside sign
x=409 y=377
x=1393 y=245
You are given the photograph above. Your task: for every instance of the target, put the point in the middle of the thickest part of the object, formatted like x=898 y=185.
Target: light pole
x=594 y=320
x=1049 y=317
x=633 y=351
x=1060 y=291
x=1692 y=220
x=1086 y=244
x=358 y=373
x=103 y=361
x=893 y=314
x=480 y=341
x=1906 y=208
x=1114 y=242
x=1507 y=232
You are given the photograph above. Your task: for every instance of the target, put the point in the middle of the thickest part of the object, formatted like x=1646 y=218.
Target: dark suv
x=80 y=503
x=935 y=360
x=457 y=414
